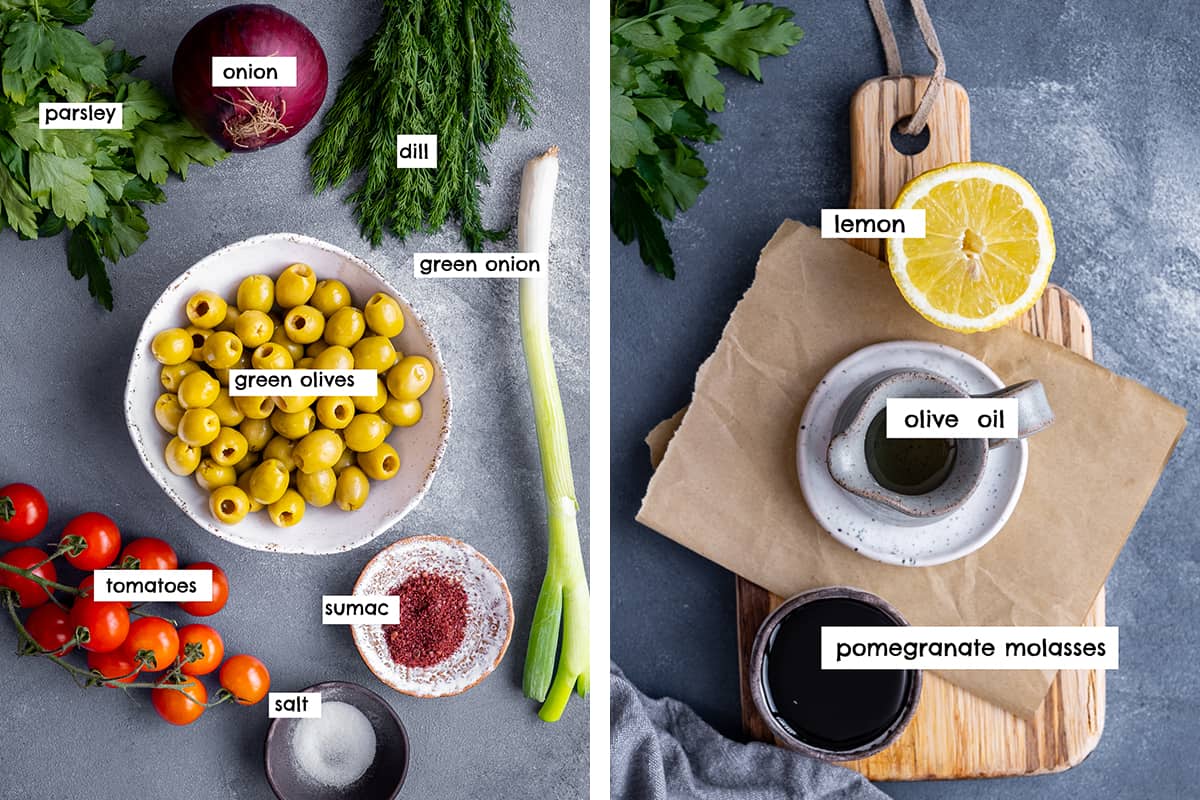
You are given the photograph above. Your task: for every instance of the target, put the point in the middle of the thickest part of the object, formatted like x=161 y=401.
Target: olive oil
x=907 y=466
x=837 y=710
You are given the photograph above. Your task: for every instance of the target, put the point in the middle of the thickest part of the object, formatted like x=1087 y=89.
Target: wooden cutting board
x=954 y=734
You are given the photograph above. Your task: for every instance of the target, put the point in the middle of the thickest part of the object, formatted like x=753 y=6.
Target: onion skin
x=249 y=118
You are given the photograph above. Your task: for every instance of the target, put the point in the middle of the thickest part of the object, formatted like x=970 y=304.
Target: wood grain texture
x=954 y=734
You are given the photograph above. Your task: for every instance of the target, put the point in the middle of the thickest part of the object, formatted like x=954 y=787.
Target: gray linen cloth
x=661 y=750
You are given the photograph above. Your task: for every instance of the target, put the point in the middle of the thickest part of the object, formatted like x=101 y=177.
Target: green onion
x=563 y=602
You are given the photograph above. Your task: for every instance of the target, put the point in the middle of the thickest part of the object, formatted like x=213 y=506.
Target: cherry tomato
x=207 y=643
x=29 y=593
x=113 y=665
x=28 y=513
x=153 y=641
x=107 y=624
x=51 y=628
x=85 y=588
x=102 y=541
x=246 y=678
x=180 y=707
x=148 y=553
x=202 y=608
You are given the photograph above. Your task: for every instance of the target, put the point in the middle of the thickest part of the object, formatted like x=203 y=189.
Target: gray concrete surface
x=1096 y=103
x=61 y=428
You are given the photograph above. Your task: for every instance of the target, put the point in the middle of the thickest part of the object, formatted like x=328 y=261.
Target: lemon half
x=987 y=251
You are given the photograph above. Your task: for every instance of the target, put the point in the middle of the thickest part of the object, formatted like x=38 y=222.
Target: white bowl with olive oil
x=321 y=530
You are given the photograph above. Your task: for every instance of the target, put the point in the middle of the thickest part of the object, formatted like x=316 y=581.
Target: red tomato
x=148 y=553
x=85 y=588
x=181 y=705
x=100 y=537
x=113 y=665
x=28 y=513
x=246 y=678
x=201 y=608
x=29 y=593
x=205 y=643
x=50 y=627
x=153 y=641
x=107 y=624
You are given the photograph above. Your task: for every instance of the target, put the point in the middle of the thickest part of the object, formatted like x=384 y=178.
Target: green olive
x=256 y=293
x=206 y=309
x=345 y=327
x=172 y=346
x=384 y=316
x=366 y=432
x=254 y=407
x=352 y=489
x=244 y=484
x=227 y=411
x=199 y=337
x=182 y=458
x=318 y=450
x=294 y=426
x=198 y=390
x=295 y=285
x=335 y=412
x=316 y=348
x=167 y=412
x=229 y=504
x=229 y=447
x=222 y=350
x=287 y=510
x=401 y=413
x=374 y=352
x=294 y=403
x=334 y=357
x=317 y=488
x=411 y=378
x=280 y=448
x=254 y=327
x=211 y=475
x=280 y=337
x=271 y=356
x=372 y=403
x=232 y=315
x=304 y=324
x=243 y=362
x=173 y=374
x=199 y=426
x=349 y=459
x=257 y=432
x=381 y=464
x=305 y=363
x=268 y=481
x=329 y=296
x=248 y=462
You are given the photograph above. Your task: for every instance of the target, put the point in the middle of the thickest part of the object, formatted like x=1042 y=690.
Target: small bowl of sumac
x=456 y=616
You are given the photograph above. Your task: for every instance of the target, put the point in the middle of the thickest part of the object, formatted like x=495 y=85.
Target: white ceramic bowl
x=323 y=530
x=489 y=615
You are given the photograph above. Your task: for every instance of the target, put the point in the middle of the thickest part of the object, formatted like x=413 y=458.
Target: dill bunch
x=446 y=67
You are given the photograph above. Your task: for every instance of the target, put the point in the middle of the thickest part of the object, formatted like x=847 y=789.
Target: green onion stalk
x=562 y=605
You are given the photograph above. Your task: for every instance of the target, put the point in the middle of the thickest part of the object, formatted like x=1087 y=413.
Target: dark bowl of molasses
x=834 y=715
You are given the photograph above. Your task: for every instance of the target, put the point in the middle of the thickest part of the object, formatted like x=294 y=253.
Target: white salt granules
x=336 y=748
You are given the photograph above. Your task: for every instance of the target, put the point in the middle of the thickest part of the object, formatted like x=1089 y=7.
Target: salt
x=336 y=748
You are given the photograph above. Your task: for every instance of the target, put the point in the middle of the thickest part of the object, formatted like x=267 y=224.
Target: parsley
x=446 y=67
x=90 y=182
x=664 y=59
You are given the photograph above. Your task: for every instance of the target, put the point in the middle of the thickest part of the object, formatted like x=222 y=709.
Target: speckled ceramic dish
x=489 y=615
x=874 y=534
x=323 y=530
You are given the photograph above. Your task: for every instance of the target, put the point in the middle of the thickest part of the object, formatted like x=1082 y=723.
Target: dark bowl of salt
x=356 y=750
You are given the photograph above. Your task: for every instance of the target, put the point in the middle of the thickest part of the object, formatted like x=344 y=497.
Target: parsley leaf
x=665 y=57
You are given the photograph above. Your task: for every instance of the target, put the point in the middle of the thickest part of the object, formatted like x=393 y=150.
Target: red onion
x=247 y=118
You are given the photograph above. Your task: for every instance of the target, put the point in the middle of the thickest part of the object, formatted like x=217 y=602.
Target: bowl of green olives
x=287 y=473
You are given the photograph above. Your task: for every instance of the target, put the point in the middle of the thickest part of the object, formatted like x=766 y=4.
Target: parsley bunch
x=446 y=67
x=665 y=55
x=91 y=182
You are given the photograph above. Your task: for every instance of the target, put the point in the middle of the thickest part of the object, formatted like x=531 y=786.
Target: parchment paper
x=727 y=486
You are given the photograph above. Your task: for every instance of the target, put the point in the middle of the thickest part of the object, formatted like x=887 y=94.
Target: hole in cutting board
x=907 y=144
